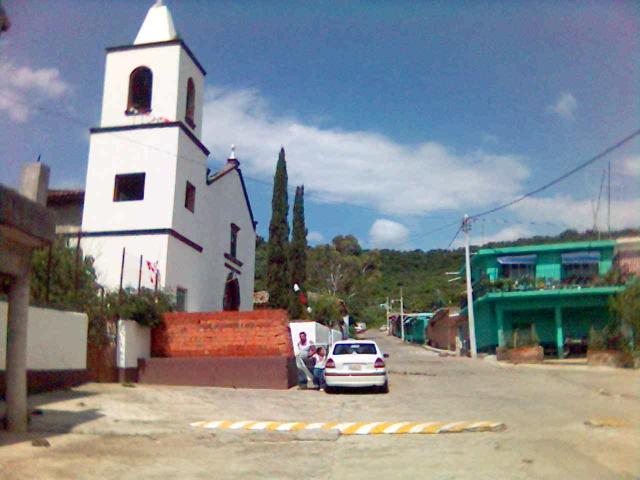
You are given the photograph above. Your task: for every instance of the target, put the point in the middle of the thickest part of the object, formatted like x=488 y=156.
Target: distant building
x=447 y=329
x=560 y=289
x=627 y=255
x=152 y=214
x=66 y=206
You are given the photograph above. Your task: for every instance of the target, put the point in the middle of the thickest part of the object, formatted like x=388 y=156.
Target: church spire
x=157 y=25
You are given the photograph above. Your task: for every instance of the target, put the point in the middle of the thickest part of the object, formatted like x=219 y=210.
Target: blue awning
x=518 y=260
x=581 y=257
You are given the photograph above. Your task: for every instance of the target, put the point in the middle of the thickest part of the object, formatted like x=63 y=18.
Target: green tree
x=347 y=245
x=65 y=279
x=298 y=252
x=626 y=308
x=326 y=310
x=277 y=261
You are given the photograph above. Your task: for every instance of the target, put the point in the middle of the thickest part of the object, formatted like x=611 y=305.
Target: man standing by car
x=305 y=350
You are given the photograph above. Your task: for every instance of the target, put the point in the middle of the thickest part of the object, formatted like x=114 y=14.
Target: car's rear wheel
x=384 y=388
x=329 y=389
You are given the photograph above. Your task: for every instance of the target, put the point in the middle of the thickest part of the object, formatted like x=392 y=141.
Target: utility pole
x=386 y=306
x=401 y=315
x=466 y=227
x=609 y=197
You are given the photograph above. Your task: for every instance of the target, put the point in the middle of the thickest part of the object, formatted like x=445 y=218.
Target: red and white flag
x=153 y=268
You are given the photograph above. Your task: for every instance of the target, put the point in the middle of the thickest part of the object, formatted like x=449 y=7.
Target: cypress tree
x=277 y=249
x=298 y=252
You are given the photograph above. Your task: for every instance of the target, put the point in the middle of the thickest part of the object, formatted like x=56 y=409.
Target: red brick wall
x=223 y=334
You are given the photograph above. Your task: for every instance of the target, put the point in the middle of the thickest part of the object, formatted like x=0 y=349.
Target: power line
x=597 y=157
x=454 y=237
x=79 y=122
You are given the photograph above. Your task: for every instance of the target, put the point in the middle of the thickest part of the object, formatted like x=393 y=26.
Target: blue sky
x=398 y=117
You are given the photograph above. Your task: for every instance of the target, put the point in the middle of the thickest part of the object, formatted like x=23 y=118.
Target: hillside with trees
x=365 y=278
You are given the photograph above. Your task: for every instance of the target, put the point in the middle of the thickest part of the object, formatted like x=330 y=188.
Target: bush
x=609 y=338
x=597 y=340
x=145 y=307
x=625 y=306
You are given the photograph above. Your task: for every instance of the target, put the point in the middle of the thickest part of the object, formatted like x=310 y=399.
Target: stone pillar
x=500 y=319
x=16 y=370
x=559 y=332
x=35 y=182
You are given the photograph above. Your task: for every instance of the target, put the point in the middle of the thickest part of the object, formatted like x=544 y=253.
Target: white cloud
x=315 y=238
x=565 y=106
x=566 y=212
x=356 y=167
x=387 y=233
x=631 y=166
x=22 y=86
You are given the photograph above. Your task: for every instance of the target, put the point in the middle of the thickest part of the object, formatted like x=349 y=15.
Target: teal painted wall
x=576 y=322
x=606 y=260
x=415 y=330
x=579 y=314
x=486 y=327
x=549 y=265
x=543 y=319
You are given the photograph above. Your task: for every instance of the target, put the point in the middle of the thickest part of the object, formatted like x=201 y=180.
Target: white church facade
x=154 y=216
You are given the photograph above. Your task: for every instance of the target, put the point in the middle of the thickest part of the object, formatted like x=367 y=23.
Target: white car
x=356 y=363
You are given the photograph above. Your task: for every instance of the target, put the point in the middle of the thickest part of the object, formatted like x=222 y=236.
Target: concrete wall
x=134 y=342
x=57 y=340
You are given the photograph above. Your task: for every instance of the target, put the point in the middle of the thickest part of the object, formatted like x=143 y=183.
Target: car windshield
x=359 y=348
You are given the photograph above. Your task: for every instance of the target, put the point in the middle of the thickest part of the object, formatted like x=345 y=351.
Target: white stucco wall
x=134 y=342
x=163 y=62
x=56 y=340
x=152 y=151
x=107 y=252
x=188 y=70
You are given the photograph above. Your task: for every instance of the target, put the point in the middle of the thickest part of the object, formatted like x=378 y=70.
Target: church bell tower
x=147 y=163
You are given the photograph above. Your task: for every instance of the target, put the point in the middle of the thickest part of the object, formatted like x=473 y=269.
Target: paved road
x=114 y=432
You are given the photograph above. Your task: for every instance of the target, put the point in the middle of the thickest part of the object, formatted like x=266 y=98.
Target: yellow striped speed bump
x=356 y=428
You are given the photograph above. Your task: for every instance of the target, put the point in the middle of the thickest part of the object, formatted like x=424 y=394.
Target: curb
x=356 y=428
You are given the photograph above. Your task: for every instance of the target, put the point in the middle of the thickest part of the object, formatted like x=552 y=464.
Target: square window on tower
x=129 y=187
x=190 y=198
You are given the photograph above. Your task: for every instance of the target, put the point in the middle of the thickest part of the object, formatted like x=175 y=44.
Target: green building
x=415 y=325
x=561 y=289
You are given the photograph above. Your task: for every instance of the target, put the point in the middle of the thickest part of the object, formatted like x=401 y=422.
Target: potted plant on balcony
x=522 y=347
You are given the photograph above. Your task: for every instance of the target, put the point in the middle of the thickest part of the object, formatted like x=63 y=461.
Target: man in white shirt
x=305 y=350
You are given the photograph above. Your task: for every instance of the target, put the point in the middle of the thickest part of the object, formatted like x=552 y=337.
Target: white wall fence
x=56 y=339
x=316 y=332
x=134 y=342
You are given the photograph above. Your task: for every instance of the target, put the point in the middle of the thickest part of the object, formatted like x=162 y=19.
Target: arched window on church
x=191 y=104
x=140 y=86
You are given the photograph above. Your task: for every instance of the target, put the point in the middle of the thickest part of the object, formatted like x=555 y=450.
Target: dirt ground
x=112 y=431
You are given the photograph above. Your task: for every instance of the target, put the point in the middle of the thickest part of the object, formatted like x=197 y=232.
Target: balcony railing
x=483 y=286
